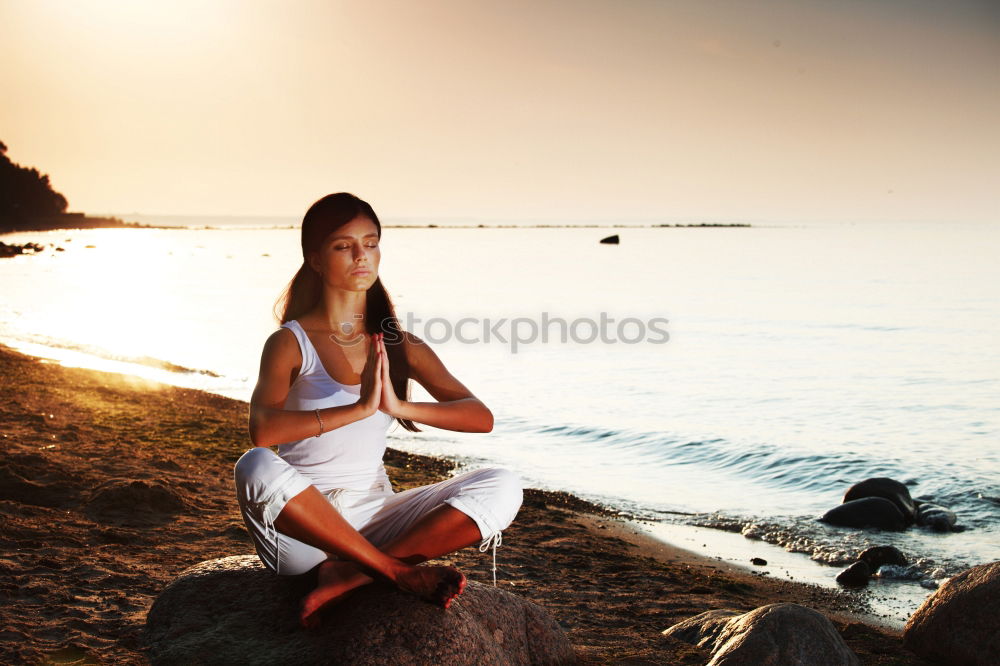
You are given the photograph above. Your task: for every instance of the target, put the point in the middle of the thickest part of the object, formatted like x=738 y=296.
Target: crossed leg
x=309 y=517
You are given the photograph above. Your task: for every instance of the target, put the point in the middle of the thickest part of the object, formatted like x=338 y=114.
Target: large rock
x=866 y=512
x=772 y=635
x=886 y=488
x=960 y=622
x=233 y=611
x=703 y=629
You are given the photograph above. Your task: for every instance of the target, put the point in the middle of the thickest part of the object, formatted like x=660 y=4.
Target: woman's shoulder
x=419 y=354
x=410 y=341
x=286 y=332
x=283 y=345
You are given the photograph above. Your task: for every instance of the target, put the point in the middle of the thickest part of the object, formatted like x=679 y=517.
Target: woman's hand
x=390 y=402
x=371 y=378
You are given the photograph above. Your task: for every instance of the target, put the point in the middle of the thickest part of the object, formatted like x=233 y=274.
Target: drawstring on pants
x=262 y=508
x=267 y=520
x=495 y=540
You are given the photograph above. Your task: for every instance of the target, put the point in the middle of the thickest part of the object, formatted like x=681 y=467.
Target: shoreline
x=66 y=222
x=885 y=603
x=81 y=444
x=78 y=222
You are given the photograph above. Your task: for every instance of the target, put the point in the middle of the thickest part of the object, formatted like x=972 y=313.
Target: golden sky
x=572 y=110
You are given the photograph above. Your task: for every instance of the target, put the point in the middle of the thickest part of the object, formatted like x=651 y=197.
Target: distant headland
x=63 y=221
x=28 y=202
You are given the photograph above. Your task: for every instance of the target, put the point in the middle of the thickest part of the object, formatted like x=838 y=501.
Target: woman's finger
x=371 y=374
x=372 y=351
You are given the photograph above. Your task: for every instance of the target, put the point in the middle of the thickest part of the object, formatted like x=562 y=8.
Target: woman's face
x=349 y=257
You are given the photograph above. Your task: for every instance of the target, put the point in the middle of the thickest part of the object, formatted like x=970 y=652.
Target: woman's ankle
x=393 y=571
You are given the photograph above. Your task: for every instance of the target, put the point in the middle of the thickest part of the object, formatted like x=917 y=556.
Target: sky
x=849 y=110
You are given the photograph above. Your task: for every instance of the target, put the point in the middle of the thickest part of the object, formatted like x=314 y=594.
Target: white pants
x=265 y=483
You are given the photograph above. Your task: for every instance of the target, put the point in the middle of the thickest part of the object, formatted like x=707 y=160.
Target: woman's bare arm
x=271 y=424
x=456 y=407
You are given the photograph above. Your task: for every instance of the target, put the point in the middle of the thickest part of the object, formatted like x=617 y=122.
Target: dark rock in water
x=936 y=517
x=12 y=250
x=773 y=634
x=868 y=512
x=233 y=610
x=611 y=240
x=856 y=575
x=125 y=502
x=886 y=488
x=759 y=561
x=958 y=623
x=876 y=556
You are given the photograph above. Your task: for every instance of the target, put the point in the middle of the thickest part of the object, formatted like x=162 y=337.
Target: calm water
x=798 y=360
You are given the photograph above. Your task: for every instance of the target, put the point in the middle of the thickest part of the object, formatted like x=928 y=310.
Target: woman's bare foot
x=336 y=580
x=438 y=585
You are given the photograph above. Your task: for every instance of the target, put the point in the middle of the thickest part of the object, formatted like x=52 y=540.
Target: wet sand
x=111 y=485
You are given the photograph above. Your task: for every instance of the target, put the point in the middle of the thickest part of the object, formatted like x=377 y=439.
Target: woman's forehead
x=359 y=227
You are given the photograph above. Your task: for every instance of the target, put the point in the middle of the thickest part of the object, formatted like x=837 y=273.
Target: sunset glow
x=545 y=110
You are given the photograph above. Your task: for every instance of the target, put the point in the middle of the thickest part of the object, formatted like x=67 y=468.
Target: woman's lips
x=362 y=271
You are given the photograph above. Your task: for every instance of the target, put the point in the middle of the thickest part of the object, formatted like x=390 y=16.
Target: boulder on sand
x=233 y=610
x=767 y=636
x=958 y=623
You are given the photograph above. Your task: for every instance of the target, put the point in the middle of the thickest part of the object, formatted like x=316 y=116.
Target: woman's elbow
x=259 y=433
x=486 y=421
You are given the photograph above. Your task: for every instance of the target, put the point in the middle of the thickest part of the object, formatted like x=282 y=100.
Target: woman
x=332 y=379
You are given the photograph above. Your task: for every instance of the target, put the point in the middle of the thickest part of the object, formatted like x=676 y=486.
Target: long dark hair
x=306 y=288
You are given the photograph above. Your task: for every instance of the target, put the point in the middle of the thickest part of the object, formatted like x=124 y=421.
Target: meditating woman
x=332 y=380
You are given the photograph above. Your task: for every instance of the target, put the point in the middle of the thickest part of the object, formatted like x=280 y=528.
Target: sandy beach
x=111 y=485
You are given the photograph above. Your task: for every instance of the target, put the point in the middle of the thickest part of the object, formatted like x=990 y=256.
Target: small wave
x=839 y=547
x=817 y=479
x=164 y=365
x=100 y=352
x=779 y=467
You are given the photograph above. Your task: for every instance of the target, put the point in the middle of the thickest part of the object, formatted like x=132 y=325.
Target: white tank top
x=346 y=457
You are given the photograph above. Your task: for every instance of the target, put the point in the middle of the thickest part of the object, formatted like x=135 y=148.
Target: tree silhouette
x=25 y=193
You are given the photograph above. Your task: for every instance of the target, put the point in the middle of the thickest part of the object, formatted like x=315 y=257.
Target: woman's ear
x=312 y=259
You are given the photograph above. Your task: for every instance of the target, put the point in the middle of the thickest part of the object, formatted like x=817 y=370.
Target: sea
x=721 y=386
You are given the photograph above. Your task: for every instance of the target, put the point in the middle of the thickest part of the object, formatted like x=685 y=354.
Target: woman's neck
x=343 y=311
